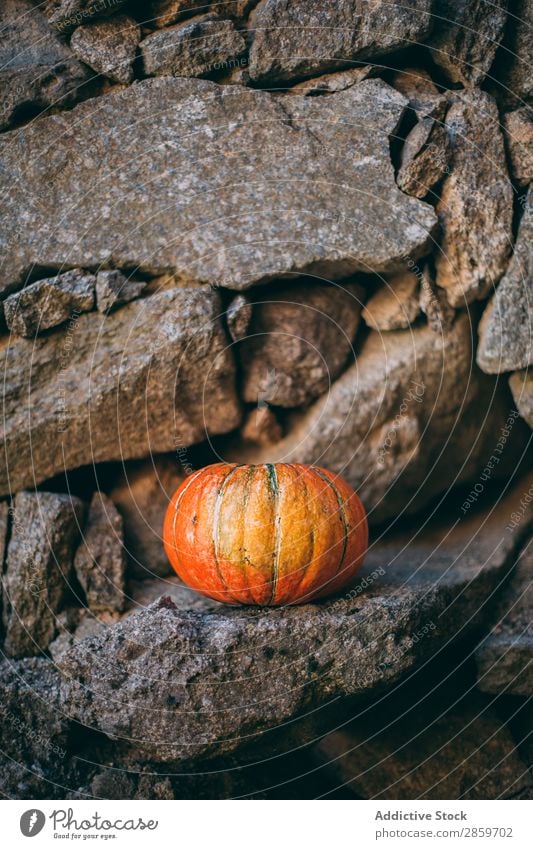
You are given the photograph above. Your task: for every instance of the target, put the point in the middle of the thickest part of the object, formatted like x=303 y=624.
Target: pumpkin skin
x=270 y=534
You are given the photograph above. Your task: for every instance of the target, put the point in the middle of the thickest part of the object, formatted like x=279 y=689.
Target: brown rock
x=476 y=205
x=298 y=342
x=261 y=427
x=95 y=163
x=142 y=495
x=395 y=305
x=114 y=290
x=37 y=70
x=193 y=48
x=238 y=317
x=506 y=328
x=421 y=92
x=461 y=753
x=49 y=302
x=162 y=13
x=504 y=657
x=108 y=47
x=117 y=386
x=65 y=15
x=329 y=83
x=410 y=403
x=99 y=561
x=519 y=137
x=521 y=383
x=425 y=158
x=305 y=38
x=512 y=69
x=45 y=528
x=434 y=303
x=466 y=37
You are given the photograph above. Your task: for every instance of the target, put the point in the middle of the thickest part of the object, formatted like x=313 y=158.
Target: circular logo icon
x=32 y=822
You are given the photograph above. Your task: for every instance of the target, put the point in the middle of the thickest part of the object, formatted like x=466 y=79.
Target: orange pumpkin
x=270 y=534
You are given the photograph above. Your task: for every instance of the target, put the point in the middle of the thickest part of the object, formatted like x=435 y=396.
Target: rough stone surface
x=108 y=47
x=421 y=92
x=113 y=290
x=466 y=36
x=512 y=68
x=395 y=305
x=163 y=13
x=37 y=69
x=65 y=15
x=333 y=153
x=460 y=753
x=261 y=427
x=33 y=732
x=403 y=424
x=100 y=562
x=49 y=302
x=330 y=83
x=193 y=48
x=476 y=205
x=506 y=328
x=238 y=317
x=142 y=495
x=147 y=680
x=298 y=342
x=425 y=158
x=305 y=38
x=434 y=303
x=45 y=529
x=117 y=387
x=519 y=137
x=521 y=384
x=505 y=657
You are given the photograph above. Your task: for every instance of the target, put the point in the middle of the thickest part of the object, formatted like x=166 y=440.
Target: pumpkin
x=265 y=534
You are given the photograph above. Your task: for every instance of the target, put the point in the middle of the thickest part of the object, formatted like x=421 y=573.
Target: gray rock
x=37 y=70
x=506 y=328
x=142 y=495
x=298 y=342
x=108 y=47
x=425 y=158
x=33 y=732
x=65 y=15
x=49 y=302
x=330 y=83
x=460 y=753
x=162 y=13
x=100 y=562
x=466 y=36
x=421 y=92
x=193 y=48
x=434 y=303
x=395 y=305
x=188 y=686
x=113 y=290
x=505 y=657
x=238 y=317
x=521 y=384
x=512 y=69
x=95 y=162
x=519 y=138
x=4 y=527
x=476 y=205
x=407 y=421
x=45 y=529
x=117 y=387
x=305 y=38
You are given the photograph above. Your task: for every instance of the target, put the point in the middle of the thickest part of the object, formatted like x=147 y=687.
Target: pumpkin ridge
x=178 y=502
x=272 y=477
x=312 y=533
x=216 y=518
x=246 y=498
x=340 y=501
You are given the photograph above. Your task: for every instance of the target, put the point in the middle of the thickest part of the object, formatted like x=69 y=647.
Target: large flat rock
x=154 y=376
x=182 y=685
x=221 y=184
